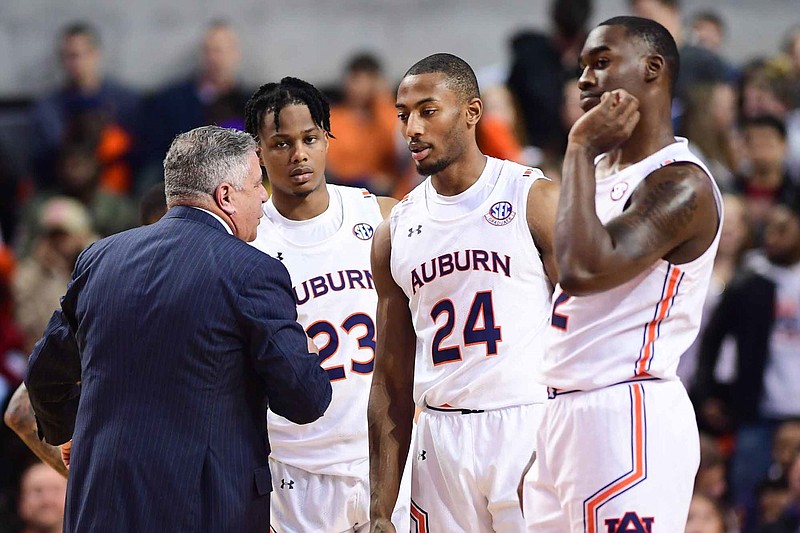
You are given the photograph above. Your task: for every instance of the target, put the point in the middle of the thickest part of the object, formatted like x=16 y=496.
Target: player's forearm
x=582 y=244
x=20 y=418
x=390 y=423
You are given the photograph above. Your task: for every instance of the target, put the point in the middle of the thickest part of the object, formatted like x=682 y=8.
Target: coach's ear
x=223 y=198
x=653 y=67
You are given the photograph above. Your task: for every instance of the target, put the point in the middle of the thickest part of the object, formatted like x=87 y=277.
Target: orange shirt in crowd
x=364 y=147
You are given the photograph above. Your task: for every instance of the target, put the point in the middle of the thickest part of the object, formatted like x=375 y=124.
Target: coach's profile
x=171 y=341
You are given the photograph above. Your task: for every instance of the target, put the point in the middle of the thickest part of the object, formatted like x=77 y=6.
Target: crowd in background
x=94 y=157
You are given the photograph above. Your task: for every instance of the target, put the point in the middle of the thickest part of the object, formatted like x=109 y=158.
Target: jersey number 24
x=489 y=334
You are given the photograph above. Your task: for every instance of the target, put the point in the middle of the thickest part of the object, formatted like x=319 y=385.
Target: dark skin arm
x=542 y=207
x=391 y=406
x=672 y=213
x=19 y=417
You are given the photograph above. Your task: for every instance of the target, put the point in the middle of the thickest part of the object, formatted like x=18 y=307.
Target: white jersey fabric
x=336 y=302
x=640 y=328
x=477 y=290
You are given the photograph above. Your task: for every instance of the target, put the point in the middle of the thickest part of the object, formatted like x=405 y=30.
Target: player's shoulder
x=513 y=171
x=410 y=201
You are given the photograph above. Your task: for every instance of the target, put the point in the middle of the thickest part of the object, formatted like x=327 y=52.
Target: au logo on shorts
x=500 y=214
x=363 y=231
x=630 y=522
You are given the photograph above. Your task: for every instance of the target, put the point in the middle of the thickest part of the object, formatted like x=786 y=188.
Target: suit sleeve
x=54 y=372
x=297 y=386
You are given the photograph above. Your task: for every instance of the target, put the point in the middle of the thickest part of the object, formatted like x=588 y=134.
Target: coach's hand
x=608 y=124
x=382 y=525
x=66 y=448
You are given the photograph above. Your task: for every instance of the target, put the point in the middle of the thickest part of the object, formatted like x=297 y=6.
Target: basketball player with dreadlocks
x=323 y=234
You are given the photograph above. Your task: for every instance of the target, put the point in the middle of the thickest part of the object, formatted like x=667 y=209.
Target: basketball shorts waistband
x=553 y=392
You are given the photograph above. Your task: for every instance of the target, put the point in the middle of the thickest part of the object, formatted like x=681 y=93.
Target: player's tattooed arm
x=20 y=418
x=672 y=214
x=391 y=407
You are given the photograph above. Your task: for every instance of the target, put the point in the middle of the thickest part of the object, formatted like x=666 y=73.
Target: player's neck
x=460 y=174
x=652 y=133
x=302 y=208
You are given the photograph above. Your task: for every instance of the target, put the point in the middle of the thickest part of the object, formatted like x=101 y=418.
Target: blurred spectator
x=711 y=475
x=42 y=495
x=707 y=31
x=734 y=241
x=791 y=52
x=152 y=205
x=765 y=89
x=785 y=446
x=772 y=497
x=705 y=516
x=764 y=181
x=496 y=130
x=85 y=89
x=13 y=357
x=41 y=278
x=760 y=311
x=211 y=96
x=709 y=122
x=789 y=519
x=365 y=151
x=77 y=176
x=699 y=64
x=540 y=64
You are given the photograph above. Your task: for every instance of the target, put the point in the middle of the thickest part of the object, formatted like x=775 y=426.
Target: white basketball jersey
x=336 y=302
x=640 y=328
x=478 y=294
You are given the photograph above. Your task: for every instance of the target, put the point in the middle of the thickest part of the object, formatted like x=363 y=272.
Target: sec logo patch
x=500 y=214
x=363 y=231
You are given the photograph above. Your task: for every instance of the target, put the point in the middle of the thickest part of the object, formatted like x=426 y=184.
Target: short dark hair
x=364 y=62
x=767 y=121
x=84 y=28
x=290 y=91
x=460 y=76
x=656 y=36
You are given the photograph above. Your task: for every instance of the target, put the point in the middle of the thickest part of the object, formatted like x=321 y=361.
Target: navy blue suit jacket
x=171 y=341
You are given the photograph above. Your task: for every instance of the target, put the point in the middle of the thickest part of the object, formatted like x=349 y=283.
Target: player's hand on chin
x=383 y=525
x=608 y=124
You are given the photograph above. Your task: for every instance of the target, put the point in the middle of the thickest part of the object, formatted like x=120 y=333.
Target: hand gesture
x=66 y=448
x=608 y=124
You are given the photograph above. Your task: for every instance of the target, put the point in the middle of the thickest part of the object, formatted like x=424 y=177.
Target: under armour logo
x=411 y=230
x=285 y=484
x=280 y=256
x=421 y=455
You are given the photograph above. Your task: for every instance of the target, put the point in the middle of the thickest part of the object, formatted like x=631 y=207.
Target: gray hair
x=199 y=160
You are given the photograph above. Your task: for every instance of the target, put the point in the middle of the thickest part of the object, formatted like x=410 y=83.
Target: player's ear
x=654 y=67
x=474 y=111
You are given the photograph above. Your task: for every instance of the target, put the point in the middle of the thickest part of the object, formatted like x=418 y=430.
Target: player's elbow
x=17 y=415
x=577 y=282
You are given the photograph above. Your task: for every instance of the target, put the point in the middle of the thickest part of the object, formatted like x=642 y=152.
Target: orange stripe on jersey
x=652 y=327
x=638 y=471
